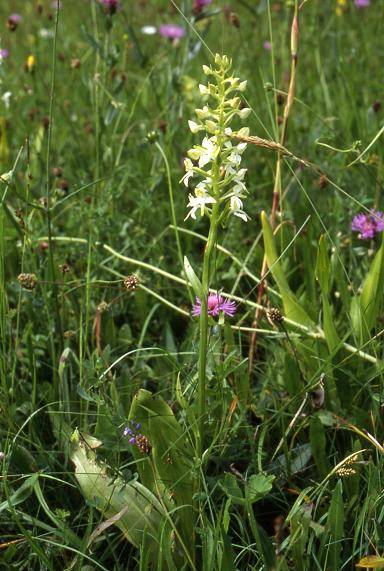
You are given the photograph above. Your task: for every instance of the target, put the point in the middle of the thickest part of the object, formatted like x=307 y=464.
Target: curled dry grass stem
x=314 y=334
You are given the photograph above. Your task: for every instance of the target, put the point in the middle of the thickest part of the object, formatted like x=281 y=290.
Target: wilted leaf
x=144 y=516
x=371 y=562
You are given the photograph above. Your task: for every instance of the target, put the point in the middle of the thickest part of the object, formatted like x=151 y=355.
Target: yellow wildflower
x=31 y=63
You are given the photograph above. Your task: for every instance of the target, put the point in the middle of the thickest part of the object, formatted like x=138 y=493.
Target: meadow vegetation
x=191 y=285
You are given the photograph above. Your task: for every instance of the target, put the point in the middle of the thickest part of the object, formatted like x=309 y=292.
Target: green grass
x=273 y=463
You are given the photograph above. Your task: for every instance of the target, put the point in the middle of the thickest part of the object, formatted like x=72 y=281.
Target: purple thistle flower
x=267 y=45
x=362 y=3
x=215 y=304
x=4 y=53
x=15 y=18
x=171 y=31
x=368 y=224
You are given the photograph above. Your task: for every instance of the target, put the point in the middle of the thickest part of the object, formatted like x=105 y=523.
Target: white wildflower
x=198 y=203
x=195 y=127
x=216 y=162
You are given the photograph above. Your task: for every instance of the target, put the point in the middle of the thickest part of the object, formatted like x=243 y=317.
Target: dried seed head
x=12 y=24
x=318 y=396
x=27 y=281
x=274 y=315
x=322 y=181
x=64 y=268
x=143 y=444
x=352 y=460
x=131 y=282
x=232 y=18
x=63 y=184
x=345 y=472
x=103 y=306
x=57 y=171
x=75 y=63
x=69 y=334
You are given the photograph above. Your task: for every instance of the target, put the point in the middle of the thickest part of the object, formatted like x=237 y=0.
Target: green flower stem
x=209 y=249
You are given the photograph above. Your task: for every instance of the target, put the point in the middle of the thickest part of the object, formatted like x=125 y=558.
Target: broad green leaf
x=371 y=562
x=257 y=487
x=193 y=279
x=232 y=489
x=21 y=494
x=293 y=310
x=179 y=394
x=365 y=308
x=145 y=514
x=299 y=529
x=318 y=446
x=331 y=336
x=335 y=525
x=323 y=266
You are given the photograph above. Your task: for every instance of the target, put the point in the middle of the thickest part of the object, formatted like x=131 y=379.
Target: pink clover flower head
x=4 y=53
x=171 y=31
x=15 y=18
x=362 y=3
x=267 y=45
x=215 y=304
x=368 y=224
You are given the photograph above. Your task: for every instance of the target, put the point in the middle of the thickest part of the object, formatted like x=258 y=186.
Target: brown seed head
x=63 y=184
x=64 y=268
x=345 y=472
x=322 y=181
x=12 y=24
x=274 y=314
x=27 y=281
x=57 y=171
x=131 y=282
x=143 y=444
x=75 y=63
x=103 y=306
x=232 y=18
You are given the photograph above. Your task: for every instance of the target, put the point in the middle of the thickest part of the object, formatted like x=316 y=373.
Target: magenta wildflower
x=171 y=31
x=362 y=3
x=4 y=53
x=111 y=6
x=368 y=224
x=15 y=18
x=199 y=4
x=215 y=304
x=267 y=45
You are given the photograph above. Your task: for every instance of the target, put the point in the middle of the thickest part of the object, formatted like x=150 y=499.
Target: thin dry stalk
x=281 y=151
